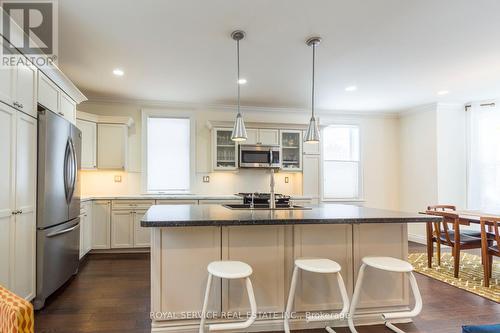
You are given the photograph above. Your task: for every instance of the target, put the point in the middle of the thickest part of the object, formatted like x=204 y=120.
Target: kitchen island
x=186 y=238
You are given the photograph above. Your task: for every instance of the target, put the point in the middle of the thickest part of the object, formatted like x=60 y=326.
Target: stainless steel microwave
x=260 y=156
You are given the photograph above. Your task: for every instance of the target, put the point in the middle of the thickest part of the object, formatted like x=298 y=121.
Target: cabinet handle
x=61 y=114
x=21 y=106
x=14 y=212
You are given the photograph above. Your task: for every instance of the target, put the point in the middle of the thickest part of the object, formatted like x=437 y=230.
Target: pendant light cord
x=238 y=65
x=313 y=70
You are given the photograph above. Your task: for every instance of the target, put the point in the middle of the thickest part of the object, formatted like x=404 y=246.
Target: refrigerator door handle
x=65 y=231
x=67 y=157
x=73 y=170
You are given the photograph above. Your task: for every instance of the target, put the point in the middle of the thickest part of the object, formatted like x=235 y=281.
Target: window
x=168 y=157
x=341 y=163
x=483 y=190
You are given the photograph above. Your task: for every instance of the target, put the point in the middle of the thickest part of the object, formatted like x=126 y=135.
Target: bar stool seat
x=229 y=269
x=322 y=266
x=388 y=264
x=318 y=265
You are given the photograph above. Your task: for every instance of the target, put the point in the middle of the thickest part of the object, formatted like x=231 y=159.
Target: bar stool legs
x=229 y=270
x=391 y=265
x=317 y=266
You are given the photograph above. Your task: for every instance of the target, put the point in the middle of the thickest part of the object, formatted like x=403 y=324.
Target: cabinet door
x=310 y=176
x=268 y=137
x=252 y=136
x=263 y=248
x=142 y=236
x=291 y=150
x=111 y=146
x=87 y=237
x=7 y=76
x=26 y=89
x=89 y=143
x=225 y=151
x=320 y=292
x=67 y=107
x=83 y=222
x=122 y=231
x=7 y=194
x=25 y=222
x=101 y=224
x=48 y=93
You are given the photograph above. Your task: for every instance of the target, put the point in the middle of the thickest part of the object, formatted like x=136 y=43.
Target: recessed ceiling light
x=443 y=92
x=351 y=88
x=118 y=72
x=242 y=81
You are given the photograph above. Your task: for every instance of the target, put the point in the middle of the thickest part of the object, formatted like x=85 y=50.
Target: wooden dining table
x=467 y=217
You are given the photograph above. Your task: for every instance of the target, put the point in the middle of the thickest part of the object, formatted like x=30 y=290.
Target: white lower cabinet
x=101 y=224
x=85 y=228
x=18 y=149
x=126 y=230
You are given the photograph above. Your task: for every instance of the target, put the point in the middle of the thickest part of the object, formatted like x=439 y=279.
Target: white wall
x=433 y=160
x=380 y=154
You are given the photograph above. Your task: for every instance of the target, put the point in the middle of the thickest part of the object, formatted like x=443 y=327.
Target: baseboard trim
x=275 y=324
x=117 y=251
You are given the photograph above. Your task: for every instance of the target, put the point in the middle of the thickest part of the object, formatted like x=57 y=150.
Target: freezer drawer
x=57 y=258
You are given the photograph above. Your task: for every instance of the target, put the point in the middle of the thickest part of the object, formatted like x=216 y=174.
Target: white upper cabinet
x=48 y=93
x=25 y=89
x=262 y=137
x=268 y=137
x=54 y=99
x=111 y=146
x=17 y=85
x=89 y=143
x=291 y=150
x=225 y=150
x=67 y=107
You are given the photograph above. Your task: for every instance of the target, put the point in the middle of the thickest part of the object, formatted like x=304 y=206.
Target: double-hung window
x=167 y=154
x=341 y=162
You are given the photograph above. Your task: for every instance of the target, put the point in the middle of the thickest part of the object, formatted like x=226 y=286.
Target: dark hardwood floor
x=111 y=294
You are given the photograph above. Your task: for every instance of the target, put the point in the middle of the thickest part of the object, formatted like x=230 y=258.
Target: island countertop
x=217 y=215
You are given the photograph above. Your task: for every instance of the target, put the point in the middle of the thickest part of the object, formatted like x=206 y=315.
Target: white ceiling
x=399 y=53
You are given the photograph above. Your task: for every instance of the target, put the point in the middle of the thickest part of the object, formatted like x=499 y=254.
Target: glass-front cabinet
x=291 y=150
x=225 y=154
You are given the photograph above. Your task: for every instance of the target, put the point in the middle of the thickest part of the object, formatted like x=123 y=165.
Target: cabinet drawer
x=132 y=204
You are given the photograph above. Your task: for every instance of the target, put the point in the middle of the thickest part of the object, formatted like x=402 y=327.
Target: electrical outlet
x=287 y=180
x=206 y=179
x=118 y=179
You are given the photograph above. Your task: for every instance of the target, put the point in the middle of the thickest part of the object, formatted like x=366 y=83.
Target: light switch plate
x=118 y=179
x=287 y=180
x=206 y=179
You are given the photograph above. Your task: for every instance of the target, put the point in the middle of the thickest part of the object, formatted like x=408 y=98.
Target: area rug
x=470 y=277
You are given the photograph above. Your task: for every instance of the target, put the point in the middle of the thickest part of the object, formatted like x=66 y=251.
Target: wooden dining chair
x=451 y=236
x=488 y=248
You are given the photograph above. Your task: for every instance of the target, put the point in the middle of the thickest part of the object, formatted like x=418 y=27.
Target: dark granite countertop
x=217 y=215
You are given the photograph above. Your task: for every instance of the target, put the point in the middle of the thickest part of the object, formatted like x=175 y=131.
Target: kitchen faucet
x=272 y=198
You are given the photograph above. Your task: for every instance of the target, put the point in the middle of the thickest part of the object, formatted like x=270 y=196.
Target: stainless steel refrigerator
x=58 y=208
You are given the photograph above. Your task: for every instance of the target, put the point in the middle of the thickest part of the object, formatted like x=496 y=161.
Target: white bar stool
x=323 y=266
x=391 y=265
x=229 y=270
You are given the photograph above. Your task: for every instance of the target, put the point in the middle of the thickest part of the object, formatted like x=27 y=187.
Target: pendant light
x=312 y=134
x=239 y=131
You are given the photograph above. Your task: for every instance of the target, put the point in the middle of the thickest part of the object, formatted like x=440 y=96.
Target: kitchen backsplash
x=103 y=183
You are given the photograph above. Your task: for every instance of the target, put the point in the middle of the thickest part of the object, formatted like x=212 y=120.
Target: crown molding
x=140 y=103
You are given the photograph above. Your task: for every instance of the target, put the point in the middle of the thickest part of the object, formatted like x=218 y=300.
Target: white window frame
x=155 y=113
x=360 y=197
